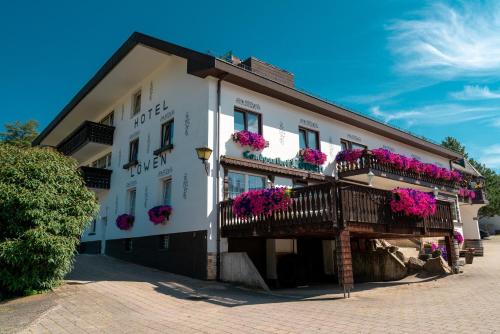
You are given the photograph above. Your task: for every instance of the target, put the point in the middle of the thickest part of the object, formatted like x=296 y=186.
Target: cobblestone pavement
x=110 y=296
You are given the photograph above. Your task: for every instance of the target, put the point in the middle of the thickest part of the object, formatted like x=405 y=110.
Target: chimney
x=269 y=71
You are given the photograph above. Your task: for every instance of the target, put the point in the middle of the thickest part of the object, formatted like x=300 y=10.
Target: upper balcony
x=88 y=140
x=368 y=168
x=97 y=178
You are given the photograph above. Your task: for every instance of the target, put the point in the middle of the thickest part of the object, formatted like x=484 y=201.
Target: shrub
x=44 y=208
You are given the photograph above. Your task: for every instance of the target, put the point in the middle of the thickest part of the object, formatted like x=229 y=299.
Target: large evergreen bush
x=44 y=208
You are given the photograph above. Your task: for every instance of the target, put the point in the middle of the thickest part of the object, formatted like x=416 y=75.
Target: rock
x=437 y=266
x=401 y=256
x=414 y=265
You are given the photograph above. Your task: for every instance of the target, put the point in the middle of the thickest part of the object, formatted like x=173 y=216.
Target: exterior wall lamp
x=204 y=154
x=435 y=191
x=370 y=176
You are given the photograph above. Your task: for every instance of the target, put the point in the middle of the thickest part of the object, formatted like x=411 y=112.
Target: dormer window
x=136 y=103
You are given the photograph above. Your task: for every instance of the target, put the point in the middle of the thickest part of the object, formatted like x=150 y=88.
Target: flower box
x=412 y=203
x=125 y=221
x=159 y=214
x=250 y=139
x=312 y=156
x=261 y=202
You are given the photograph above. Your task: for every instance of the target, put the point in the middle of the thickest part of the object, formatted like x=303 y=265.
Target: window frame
x=349 y=143
x=131 y=206
x=164 y=242
x=93 y=227
x=164 y=182
x=245 y=118
x=306 y=137
x=170 y=123
x=131 y=143
x=246 y=178
x=137 y=95
x=110 y=118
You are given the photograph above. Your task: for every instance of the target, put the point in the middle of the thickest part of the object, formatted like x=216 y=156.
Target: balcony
x=322 y=210
x=358 y=171
x=88 y=140
x=98 y=178
x=479 y=197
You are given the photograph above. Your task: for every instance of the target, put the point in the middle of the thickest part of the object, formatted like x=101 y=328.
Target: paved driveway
x=109 y=296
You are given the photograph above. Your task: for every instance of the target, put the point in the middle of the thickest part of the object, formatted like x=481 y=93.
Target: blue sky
x=432 y=68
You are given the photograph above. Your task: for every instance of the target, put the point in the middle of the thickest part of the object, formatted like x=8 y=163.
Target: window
x=167 y=134
x=131 y=201
x=164 y=242
x=246 y=120
x=349 y=145
x=133 y=150
x=166 y=198
x=128 y=245
x=109 y=119
x=103 y=162
x=308 y=139
x=136 y=103
x=93 y=227
x=239 y=183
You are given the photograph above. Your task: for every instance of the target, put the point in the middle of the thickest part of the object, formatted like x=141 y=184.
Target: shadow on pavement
x=95 y=268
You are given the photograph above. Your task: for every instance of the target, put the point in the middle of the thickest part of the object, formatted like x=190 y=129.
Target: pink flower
x=125 y=221
x=413 y=202
x=261 y=202
x=349 y=155
x=247 y=138
x=159 y=214
x=458 y=237
x=312 y=156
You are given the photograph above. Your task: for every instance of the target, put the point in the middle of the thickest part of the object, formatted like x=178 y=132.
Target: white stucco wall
x=180 y=96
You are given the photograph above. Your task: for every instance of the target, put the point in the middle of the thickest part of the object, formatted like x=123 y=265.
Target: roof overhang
x=141 y=54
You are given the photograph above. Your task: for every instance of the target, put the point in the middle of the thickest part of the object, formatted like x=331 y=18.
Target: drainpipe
x=217 y=171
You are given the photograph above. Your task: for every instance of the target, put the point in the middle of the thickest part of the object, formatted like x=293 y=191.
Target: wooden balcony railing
x=323 y=209
x=369 y=162
x=313 y=210
x=369 y=209
x=85 y=133
x=96 y=177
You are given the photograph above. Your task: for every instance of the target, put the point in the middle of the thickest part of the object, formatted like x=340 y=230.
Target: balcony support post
x=450 y=250
x=344 y=260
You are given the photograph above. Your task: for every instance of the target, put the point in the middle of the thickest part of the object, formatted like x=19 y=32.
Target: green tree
x=491 y=178
x=19 y=134
x=44 y=208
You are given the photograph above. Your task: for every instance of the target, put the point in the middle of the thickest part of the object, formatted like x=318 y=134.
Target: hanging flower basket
x=250 y=139
x=125 y=221
x=312 y=156
x=261 y=202
x=413 y=203
x=159 y=214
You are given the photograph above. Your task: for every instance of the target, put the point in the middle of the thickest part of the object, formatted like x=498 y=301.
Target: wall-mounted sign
x=146 y=165
x=354 y=137
x=247 y=104
x=308 y=123
x=389 y=148
x=147 y=115
x=290 y=163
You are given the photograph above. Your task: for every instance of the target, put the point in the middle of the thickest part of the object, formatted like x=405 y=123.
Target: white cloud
x=438 y=114
x=490 y=156
x=476 y=93
x=442 y=41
